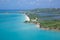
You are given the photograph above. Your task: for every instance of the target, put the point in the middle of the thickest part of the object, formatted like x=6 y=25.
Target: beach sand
x=27 y=18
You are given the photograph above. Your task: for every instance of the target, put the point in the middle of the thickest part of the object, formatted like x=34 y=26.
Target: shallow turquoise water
x=12 y=27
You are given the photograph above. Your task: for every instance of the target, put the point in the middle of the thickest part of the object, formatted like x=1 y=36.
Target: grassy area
x=53 y=23
x=50 y=23
x=46 y=23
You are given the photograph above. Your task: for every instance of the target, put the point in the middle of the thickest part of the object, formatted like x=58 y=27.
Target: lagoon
x=12 y=27
x=48 y=16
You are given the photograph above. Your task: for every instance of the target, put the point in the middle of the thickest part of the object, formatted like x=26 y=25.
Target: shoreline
x=47 y=28
x=27 y=18
x=38 y=24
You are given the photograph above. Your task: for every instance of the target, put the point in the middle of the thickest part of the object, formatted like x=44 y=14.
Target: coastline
x=28 y=20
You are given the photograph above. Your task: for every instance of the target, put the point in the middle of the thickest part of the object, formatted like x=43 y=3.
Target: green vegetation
x=46 y=10
x=53 y=23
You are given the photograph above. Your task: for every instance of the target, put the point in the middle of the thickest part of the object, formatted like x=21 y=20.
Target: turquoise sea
x=12 y=27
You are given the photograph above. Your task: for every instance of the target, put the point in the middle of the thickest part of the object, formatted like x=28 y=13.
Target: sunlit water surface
x=12 y=27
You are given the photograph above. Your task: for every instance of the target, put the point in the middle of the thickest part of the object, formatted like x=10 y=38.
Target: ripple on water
x=14 y=28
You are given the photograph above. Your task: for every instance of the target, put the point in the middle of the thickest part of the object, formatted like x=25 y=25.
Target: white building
x=34 y=20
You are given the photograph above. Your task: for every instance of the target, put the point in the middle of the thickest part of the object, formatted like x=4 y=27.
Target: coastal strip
x=38 y=24
x=27 y=18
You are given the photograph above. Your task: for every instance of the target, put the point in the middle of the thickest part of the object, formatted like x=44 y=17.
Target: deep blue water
x=12 y=27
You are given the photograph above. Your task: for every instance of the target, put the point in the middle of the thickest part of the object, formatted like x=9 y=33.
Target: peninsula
x=48 y=22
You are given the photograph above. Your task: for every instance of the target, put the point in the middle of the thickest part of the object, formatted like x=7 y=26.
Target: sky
x=28 y=4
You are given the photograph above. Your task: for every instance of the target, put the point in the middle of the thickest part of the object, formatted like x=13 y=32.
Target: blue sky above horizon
x=29 y=4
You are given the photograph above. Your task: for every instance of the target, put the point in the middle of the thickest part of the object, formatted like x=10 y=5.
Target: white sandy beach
x=27 y=18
